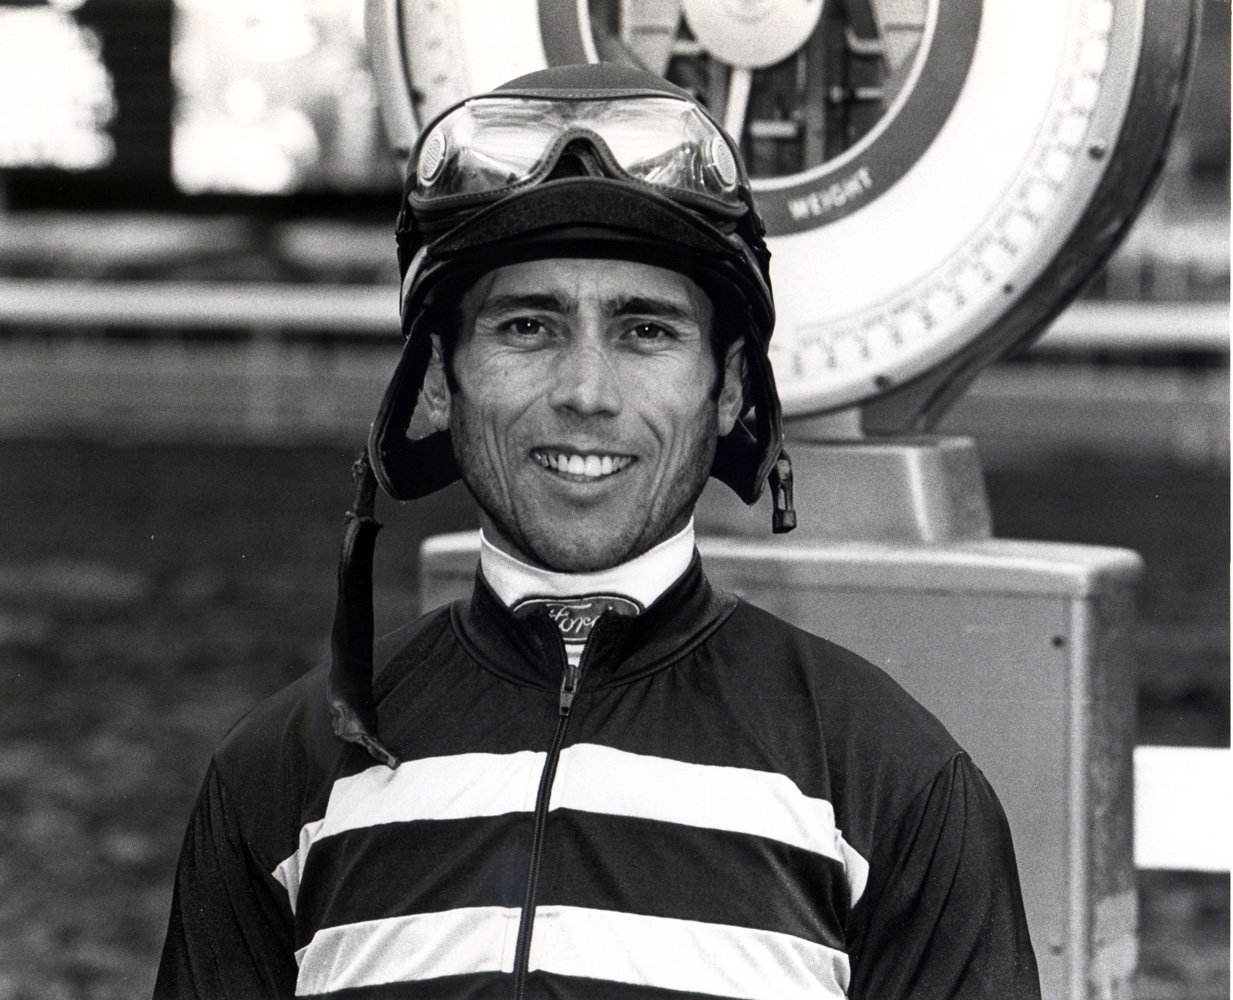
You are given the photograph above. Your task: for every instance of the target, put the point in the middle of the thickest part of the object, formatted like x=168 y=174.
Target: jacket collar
x=642 y=579
x=529 y=650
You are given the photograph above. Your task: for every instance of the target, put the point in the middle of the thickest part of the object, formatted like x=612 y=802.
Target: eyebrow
x=536 y=302
x=626 y=305
x=637 y=305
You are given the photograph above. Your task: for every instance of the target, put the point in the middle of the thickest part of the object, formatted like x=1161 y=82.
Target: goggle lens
x=494 y=143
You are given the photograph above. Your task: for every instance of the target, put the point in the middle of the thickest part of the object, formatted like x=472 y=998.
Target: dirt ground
x=150 y=594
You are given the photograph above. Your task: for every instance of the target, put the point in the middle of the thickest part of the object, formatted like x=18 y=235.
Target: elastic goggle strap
x=490 y=146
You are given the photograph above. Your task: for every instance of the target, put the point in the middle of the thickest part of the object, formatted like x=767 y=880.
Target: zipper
x=570 y=676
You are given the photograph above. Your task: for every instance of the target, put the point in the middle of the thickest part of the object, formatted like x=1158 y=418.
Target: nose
x=585 y=382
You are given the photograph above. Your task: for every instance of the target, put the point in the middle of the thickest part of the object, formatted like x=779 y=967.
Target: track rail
x=368 y=310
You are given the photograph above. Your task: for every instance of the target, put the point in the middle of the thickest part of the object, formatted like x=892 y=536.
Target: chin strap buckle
x=783 y=515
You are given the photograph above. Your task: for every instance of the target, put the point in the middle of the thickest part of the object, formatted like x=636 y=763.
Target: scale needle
x=740 y=80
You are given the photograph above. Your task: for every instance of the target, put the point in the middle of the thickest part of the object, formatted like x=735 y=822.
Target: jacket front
x=714 y=804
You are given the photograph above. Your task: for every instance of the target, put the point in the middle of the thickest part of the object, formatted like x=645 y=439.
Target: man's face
x=586 y=408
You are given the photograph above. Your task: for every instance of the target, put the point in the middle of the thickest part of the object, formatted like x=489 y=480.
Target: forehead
x=588 y=283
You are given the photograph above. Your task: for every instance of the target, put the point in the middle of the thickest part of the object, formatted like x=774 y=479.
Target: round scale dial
x=937 y=176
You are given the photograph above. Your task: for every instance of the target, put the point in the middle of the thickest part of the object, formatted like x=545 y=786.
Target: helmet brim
x=587 y=217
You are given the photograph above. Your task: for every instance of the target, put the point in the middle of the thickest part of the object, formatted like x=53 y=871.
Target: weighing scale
x=939 y=178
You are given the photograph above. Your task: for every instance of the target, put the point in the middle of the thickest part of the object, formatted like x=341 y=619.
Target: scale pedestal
x=1020 y=648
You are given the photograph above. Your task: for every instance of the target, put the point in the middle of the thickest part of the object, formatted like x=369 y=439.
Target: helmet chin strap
x=349 y=687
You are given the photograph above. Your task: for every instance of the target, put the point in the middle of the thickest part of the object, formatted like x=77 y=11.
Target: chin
x=581 y=551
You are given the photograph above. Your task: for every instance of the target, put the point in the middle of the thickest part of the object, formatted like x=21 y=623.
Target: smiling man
x=584 y=400
x=598 y=777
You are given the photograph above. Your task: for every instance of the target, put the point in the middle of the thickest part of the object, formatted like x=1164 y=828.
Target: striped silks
x=731 y=808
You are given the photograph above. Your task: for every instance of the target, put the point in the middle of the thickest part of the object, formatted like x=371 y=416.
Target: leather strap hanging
x=349 y=687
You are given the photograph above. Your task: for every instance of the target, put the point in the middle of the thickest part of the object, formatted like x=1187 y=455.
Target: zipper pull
x=569 y=687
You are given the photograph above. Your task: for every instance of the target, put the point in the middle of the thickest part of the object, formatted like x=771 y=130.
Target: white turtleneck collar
x=642 y=579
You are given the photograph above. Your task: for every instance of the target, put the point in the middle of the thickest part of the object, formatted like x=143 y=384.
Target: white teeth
x=590 y=466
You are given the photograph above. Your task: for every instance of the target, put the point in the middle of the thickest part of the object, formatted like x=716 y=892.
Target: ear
x=731 y=401
x=436 y=391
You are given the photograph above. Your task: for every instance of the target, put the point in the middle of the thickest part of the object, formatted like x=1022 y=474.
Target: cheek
x=682 y=413
x=488 y=409
x=500 y=380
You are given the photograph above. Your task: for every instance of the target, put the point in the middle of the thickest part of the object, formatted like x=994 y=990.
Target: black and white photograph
x=615 y=499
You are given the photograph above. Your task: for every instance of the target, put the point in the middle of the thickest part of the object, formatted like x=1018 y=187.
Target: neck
x=642 y=579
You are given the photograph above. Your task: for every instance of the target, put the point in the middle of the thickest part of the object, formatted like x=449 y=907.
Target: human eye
x=650 y=333
x=524 y=328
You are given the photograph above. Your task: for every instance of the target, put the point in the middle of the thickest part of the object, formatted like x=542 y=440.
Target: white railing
x=1087 y=325
x=173 y=305
x=1183 y=808
x=1093 y=325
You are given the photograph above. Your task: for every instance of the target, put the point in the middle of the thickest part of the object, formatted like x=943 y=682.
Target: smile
x=590 y=466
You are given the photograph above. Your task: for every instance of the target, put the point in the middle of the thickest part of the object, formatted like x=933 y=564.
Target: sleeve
x=942 y=915
x=231 y=929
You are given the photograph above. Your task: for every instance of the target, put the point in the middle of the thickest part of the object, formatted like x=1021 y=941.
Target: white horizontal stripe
x=398 y=949
x=590 y=778
x=574 y=941
x=600 y=779
x=289 y=872
x=455 y=787
x=685 y=955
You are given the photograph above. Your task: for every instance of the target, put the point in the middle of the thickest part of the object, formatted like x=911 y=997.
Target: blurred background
x=197 y=317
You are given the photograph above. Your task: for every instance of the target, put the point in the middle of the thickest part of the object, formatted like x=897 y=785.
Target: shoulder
x=280 y=760
x=293 y=726
x=279 y=733
x=406 y=648
x=881 y=746
x=846 y=688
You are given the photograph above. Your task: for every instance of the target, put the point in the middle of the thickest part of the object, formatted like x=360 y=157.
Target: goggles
x=489 y=146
